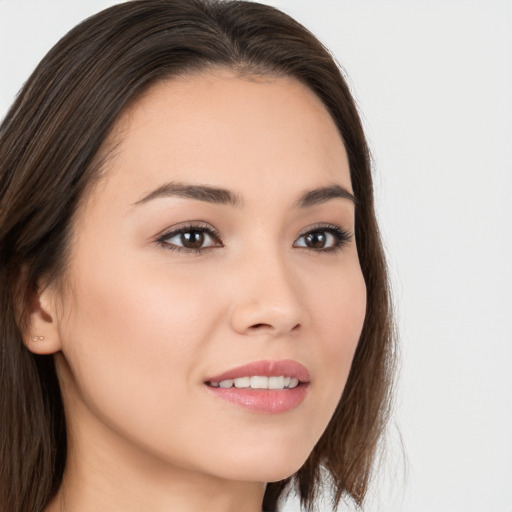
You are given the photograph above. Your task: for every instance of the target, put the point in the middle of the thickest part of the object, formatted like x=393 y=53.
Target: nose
x=267 y=299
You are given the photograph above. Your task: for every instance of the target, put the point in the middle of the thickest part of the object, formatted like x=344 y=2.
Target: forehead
x=222 y=129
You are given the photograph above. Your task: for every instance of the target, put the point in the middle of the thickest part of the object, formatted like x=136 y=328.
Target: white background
x=433 y=80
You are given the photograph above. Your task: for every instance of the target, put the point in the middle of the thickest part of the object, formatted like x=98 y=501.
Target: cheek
x=139 y=309
x=339 y=316
x=133 y=341
x=339 y=306
x=344 y=314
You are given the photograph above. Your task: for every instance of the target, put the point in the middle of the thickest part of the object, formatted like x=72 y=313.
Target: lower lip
x=266 y=401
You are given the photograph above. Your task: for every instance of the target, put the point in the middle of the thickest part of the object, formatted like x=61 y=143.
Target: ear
x=43 y=336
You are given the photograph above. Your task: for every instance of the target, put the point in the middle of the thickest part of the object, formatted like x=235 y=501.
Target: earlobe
x=42 y=336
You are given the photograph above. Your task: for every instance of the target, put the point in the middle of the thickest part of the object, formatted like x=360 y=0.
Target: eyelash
x=341 y=237
x=201 y=228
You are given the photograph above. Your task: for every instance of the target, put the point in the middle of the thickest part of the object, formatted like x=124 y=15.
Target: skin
x=137 y=328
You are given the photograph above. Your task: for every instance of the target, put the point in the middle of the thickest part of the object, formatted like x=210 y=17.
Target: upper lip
x=285 y=367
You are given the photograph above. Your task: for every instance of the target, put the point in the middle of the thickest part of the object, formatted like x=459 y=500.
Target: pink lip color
x=267 y=401
x=285 y=367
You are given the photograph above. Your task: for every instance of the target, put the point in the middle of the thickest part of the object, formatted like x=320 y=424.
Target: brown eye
x=316 y=240
x=192 y=239
x=323 y=239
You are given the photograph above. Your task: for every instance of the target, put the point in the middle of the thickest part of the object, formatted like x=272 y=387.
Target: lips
x=266 y=401
x=285 y=367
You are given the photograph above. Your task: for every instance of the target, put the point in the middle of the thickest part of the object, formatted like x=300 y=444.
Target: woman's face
x=221 y=235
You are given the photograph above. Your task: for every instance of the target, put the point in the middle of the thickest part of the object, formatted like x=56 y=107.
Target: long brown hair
x=51 y=150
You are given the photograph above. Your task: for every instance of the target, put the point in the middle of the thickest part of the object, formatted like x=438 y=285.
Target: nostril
x=269 y=327
x=256 y=327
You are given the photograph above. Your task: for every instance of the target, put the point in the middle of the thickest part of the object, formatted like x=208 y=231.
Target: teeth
x=243 y=382
x=275 y=382
x=258 y=382
x=293 y=383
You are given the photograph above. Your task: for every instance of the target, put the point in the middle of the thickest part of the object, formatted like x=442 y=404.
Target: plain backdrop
x=433 y=81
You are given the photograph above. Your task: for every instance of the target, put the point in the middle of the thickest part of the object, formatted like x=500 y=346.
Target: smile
x=258 y=382
x=268 y=387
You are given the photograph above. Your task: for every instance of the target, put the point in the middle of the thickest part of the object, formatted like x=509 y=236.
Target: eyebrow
x=217 y=195
x=199 y=192
x=324 y=194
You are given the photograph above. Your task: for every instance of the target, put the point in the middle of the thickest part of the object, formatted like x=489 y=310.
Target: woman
x=195 y=311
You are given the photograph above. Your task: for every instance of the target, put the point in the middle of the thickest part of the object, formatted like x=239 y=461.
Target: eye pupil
x=192 y=239
x=316 y=240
